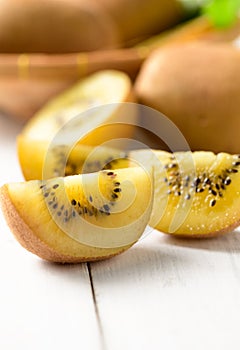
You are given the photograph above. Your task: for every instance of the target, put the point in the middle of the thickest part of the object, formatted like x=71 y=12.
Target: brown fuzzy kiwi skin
x=196 y=86
x=54 y=26
x=26 y=237
x=137 y=19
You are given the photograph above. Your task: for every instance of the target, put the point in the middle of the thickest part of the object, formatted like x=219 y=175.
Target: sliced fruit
x=196 y=194
x=44 y=162
x=79 y=218
x=108 y=88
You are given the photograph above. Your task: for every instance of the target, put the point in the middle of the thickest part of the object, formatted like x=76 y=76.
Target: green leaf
x=223 y=13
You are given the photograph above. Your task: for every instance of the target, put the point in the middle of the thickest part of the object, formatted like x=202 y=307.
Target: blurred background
x=181 y=56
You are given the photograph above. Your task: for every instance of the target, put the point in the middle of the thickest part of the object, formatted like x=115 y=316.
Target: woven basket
x=28 y=81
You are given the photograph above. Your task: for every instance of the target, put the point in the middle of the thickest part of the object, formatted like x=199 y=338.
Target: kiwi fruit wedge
x=44 y=162
x=109 y=88
x=196 y=194
x=80 y=218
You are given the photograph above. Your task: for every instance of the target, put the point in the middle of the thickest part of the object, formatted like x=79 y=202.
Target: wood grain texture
x=43 y=305
x=171 y=294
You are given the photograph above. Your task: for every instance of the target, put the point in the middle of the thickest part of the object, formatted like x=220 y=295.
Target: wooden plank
x=167 y=293
x=42 y=305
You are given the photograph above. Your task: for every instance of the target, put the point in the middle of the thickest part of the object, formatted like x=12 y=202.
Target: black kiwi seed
x=213 y=192
x=187 y=196
x=197 y=181
x=46 y=194
x=172 y=165
x=207 y=181
x=90 y=199
x=227 y=181
x=117 y=190
x=55 y=206
x=73 y=202
x=59 y=213
x=236 y=164
x=106 y=207
x=110 y=173
x=55 y=186
x=199 y=190
x=213 y=202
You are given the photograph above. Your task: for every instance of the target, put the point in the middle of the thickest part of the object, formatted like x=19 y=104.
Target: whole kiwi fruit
x=197 y=87
x=138 y=19
x=54 y=26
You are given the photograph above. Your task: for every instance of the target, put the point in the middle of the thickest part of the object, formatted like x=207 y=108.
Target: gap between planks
x=99 y=322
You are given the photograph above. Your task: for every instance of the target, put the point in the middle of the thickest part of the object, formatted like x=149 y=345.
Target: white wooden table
x=163 y=293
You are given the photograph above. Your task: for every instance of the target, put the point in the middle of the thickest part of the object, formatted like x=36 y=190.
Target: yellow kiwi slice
x=196 y=194
x=79 y=218
x=108 y=88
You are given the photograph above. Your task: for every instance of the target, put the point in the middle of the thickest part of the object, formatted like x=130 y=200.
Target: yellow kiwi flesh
x=196 y=194
x=79 y=218
x=108 y=88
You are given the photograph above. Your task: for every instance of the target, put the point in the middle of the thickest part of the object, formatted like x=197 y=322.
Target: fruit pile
x=65 y=26
x=86 y=199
